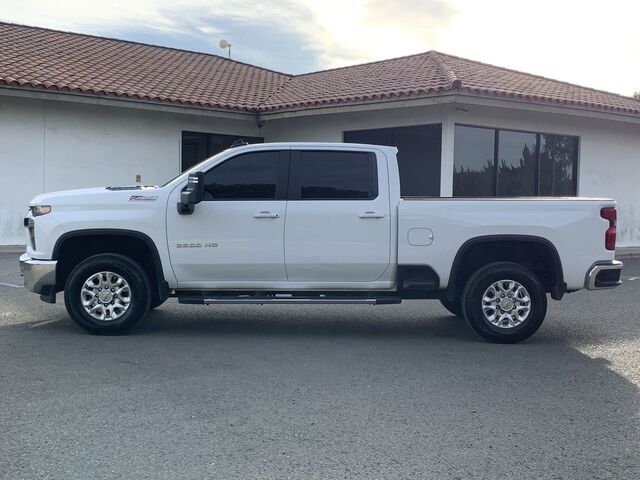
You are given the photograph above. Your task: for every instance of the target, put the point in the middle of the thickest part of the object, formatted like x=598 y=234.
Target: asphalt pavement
x=319 y=392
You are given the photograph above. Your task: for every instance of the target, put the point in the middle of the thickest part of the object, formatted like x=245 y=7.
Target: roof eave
x=432 y=98
x=125 y=102
x=455 y=96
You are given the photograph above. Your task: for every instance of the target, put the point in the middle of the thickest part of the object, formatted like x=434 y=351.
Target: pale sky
x=595 y=44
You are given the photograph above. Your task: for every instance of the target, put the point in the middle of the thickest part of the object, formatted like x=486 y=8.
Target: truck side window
x=332 y=175
x=250 y=176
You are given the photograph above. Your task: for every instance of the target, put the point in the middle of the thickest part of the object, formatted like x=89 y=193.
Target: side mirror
x=192 y=194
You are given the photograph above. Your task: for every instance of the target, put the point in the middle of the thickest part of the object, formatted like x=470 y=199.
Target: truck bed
x=433 y=230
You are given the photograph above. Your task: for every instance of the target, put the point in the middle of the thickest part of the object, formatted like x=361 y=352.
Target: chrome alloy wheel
x=506 y=304
x=105 y=296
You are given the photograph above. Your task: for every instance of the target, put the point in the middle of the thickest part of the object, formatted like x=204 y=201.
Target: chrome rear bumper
x=38 y=274
x=604 y=275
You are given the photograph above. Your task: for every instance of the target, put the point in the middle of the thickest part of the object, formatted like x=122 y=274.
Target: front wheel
x=107 y=294
x=504 y=302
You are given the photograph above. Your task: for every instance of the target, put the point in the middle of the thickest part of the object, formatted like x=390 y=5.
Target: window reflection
x=523 y=164
x=516 y=164
x=557 y=165
x=473 y=169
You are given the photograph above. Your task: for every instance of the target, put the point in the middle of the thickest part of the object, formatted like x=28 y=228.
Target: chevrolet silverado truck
x=314 y=223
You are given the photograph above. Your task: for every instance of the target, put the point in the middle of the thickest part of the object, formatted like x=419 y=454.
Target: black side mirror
x=192 y=194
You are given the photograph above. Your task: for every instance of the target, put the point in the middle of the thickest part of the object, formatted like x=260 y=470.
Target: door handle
x=266 y=214
x=371 y=215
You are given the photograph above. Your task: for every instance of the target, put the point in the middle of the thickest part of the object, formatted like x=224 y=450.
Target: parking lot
x=403 y=391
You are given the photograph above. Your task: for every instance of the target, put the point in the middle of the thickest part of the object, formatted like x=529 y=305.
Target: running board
x=284 y=299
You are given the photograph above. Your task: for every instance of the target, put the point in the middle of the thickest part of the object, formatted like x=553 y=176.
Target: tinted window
x=558 y=164
x=198 y=146
x=473 y=166
x=247 y=176
x=336 y=176
x=516 y=164
x=419 y=155
x=523 y=164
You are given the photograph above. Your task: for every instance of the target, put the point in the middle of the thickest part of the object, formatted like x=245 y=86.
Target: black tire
x=453 y=307
x=479 y=283
x=127 y=269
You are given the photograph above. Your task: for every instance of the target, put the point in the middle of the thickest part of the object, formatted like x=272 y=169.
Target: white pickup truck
x=313 y=223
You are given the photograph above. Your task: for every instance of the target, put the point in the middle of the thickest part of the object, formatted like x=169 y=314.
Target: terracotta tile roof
x=399 y=77
x=33 y=57
x=483 y=79
x=49 y=59
x=434 y=73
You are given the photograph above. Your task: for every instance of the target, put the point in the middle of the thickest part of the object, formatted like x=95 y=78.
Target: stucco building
x=78 y=111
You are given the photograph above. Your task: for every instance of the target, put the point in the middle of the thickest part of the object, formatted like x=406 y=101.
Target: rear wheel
x=504 y=302
x=107 y=294
x=453 y=307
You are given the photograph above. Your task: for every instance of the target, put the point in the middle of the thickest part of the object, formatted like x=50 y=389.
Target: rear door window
x=333 y=175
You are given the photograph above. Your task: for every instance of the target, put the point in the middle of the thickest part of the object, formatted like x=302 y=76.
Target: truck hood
x=97 y=195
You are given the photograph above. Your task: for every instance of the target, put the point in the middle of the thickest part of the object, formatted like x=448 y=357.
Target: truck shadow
x=304 y=320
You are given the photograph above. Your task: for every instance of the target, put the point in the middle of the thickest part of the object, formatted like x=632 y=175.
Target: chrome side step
x=290 y=301
x=219 y=298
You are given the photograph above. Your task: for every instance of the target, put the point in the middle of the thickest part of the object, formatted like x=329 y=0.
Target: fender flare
x=559 y=287
x=161 y=288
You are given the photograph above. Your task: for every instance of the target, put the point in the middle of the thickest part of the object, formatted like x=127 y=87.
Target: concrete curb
x=628 y=252
x=12 y=248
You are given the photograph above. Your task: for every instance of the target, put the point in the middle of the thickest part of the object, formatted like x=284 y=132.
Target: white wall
x=48 y=145
x=609 y=158
x=21 y=164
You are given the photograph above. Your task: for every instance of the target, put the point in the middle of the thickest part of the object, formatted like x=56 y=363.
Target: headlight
x=37 y=210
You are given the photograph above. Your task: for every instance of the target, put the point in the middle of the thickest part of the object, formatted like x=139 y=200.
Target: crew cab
x=318 y=223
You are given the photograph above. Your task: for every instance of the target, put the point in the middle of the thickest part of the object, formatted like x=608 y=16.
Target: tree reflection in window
x=558 y=154
x=474 y=163
x=523 y=164
x=517 y=164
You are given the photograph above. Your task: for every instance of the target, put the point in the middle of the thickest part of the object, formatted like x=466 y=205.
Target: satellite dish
x=225 y=45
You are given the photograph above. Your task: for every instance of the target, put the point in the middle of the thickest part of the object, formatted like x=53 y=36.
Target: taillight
x=610 y=214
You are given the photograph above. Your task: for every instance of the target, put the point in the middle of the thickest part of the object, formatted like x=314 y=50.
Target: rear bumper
x=604 y=275
x=39 y=275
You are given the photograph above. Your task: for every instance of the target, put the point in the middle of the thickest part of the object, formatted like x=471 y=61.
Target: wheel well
x=72 y=248
x=535 y=254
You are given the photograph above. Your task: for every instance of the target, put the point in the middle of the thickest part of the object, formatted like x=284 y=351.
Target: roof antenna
x=224 y=44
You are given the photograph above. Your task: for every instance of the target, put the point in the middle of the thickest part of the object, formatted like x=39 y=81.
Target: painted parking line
x=11 y=285
x=631 y=279
x=46 y=322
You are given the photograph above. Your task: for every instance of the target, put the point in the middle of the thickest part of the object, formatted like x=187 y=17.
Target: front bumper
x=39 y=275
x=604 y=275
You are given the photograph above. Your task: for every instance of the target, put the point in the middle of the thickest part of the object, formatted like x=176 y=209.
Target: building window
x=474 y=164
x=504 y=163
x=419 y=155
x=517 y=164
x=197 y=146
x=558 y=165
